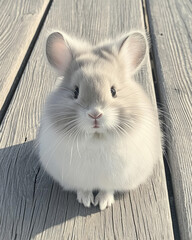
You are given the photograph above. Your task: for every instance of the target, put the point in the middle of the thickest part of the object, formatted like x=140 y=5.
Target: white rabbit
x=99 y=131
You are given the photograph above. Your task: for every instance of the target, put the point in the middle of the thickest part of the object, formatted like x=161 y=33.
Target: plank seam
x=23 y=64
x=159 y=101
x=135 y=228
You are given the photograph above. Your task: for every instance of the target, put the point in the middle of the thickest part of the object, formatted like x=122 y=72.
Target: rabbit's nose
x=95 y=115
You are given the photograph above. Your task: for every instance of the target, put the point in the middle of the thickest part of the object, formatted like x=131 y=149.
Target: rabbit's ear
x=133 y=49
x=58 y=51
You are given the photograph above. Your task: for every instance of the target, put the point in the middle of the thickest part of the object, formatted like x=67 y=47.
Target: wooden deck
x=32 y=206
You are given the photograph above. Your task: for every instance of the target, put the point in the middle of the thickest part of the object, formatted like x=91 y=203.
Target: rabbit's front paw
x=104 y=199
x=85 y=197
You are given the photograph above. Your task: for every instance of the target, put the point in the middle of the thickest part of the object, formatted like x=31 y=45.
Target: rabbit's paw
x=85 y=197
x=104 y=199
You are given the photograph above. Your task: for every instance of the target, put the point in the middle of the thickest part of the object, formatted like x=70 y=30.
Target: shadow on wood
x=30 y=201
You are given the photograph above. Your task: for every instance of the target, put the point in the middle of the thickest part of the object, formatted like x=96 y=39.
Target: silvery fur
x=115 y=151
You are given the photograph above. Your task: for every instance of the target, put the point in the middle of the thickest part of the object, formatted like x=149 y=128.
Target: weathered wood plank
x=171 y=34
x=18 y=23
x=31 y=205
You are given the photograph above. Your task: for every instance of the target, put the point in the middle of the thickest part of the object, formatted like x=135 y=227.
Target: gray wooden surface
x=19 y=20
x=32 y=206
x=171 y=34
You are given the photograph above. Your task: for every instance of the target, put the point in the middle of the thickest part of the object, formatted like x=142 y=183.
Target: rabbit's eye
x=76 y=92
x=113 y=92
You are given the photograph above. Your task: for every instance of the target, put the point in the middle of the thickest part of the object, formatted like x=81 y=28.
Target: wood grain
x=31 y=204
x=171 y=34
x=19 y=20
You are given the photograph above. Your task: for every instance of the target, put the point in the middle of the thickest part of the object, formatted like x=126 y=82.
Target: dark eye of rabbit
x=113 y=92
x=76 y=92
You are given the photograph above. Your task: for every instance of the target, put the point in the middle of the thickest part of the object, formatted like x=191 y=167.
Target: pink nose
x=95 y=115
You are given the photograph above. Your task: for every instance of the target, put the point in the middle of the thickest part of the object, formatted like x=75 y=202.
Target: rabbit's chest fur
x=97 y=163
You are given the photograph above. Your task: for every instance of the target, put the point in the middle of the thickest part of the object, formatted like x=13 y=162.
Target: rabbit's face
x=97 y=94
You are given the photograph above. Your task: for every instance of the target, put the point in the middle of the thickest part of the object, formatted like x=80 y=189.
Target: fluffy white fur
x=121 y=153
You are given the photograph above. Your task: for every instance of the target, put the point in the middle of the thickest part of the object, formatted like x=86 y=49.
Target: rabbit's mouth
x=96 y=124
x=96 y=128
